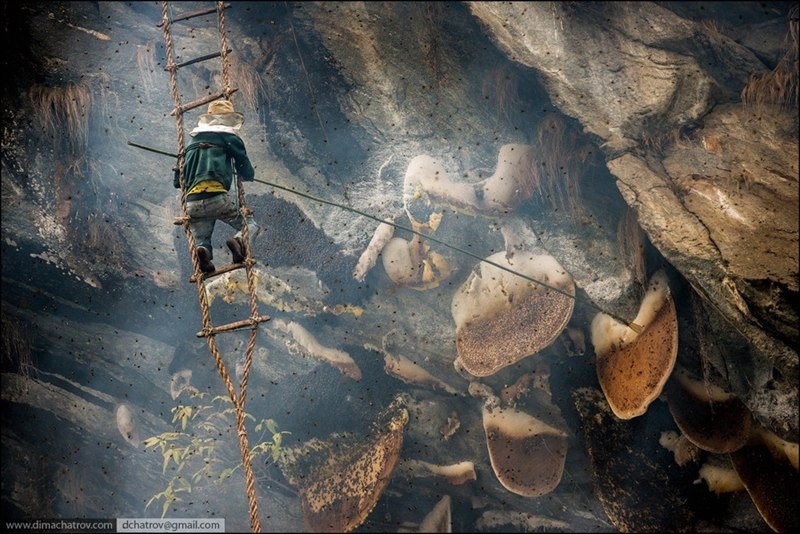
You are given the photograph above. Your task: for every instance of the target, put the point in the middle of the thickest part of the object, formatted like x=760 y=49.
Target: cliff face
x=618 y=138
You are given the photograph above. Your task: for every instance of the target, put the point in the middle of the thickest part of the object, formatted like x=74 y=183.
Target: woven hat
x=220 y=116
x=220 y=106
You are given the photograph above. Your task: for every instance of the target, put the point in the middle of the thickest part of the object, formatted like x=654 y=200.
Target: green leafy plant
x=202 y=452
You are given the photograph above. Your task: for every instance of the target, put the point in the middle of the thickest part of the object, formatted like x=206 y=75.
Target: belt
x=202 y=196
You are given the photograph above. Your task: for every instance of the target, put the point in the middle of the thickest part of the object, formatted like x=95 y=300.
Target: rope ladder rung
x=193 y=14
x=201 y=101
x=236 y=325
x=197 y=60
x=222 y=270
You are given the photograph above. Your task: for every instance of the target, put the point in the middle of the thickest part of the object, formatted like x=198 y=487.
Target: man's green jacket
x=212 y=156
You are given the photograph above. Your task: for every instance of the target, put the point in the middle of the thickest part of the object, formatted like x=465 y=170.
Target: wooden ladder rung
x=201 y=101
x=192 y=14
x=197 y=60
x=236 y=325
x=222 y=270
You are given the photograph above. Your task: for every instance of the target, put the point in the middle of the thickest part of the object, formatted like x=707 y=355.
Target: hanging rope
x=209 y=332
x=633 y=326
x=251 y=287
x=223 y=45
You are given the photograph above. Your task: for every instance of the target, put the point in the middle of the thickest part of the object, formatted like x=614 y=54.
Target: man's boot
x=236 y=246
x=204 y=258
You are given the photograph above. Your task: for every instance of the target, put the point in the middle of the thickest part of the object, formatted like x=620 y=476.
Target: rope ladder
x=238 y=398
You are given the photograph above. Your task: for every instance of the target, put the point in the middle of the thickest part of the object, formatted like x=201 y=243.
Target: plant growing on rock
x=199 y=454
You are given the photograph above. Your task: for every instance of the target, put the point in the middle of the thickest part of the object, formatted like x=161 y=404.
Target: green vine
x=195 y=452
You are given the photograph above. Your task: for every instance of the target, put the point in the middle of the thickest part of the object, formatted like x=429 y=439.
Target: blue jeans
x=203 y=214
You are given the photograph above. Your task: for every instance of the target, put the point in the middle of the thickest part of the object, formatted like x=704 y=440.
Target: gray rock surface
x=635 y=111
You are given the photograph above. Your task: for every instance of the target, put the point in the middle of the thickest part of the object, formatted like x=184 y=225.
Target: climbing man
x=212 y=161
